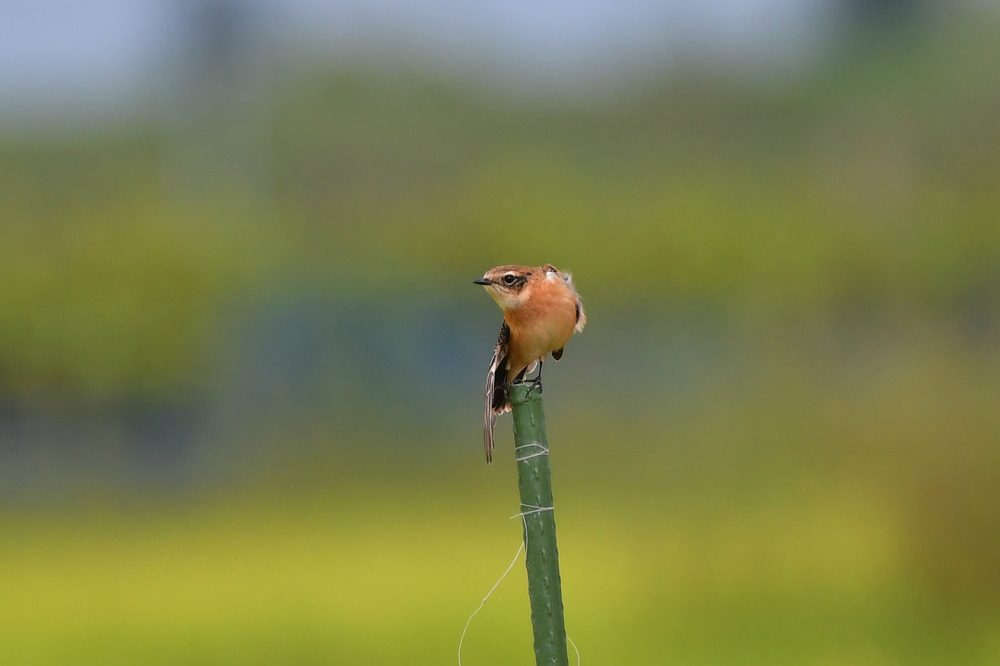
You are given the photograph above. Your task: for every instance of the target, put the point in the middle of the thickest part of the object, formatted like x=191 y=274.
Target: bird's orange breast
x=543 y=322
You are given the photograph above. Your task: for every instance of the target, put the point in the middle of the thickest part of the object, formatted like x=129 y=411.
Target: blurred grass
x=766 y=519
x=359 y=582
x=817 y=577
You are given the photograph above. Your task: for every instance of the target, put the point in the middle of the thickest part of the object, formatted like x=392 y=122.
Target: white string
x=524 y=522
x=495 y=586
x=543 y=451
x=532 y=509
x=575 y=649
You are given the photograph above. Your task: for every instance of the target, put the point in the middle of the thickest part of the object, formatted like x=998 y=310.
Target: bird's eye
x=509 y=279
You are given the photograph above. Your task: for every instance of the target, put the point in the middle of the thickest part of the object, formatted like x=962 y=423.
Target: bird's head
x=508 y=285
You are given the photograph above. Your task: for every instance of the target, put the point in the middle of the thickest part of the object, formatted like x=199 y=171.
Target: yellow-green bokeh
x=775 y=443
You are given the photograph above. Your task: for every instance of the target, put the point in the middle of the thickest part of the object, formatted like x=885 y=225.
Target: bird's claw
x=535 y=384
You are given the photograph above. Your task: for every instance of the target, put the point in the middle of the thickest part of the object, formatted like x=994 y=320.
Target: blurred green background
x=241 y=355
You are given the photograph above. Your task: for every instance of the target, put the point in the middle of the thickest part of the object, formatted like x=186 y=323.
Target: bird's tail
x=497 y=399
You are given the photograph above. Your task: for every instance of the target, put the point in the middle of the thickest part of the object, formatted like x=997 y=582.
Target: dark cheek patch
x=516 y=283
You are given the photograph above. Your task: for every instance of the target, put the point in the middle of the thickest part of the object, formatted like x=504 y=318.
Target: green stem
x=534 y=480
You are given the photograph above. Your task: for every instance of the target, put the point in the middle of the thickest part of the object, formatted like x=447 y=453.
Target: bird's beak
x=482 y=281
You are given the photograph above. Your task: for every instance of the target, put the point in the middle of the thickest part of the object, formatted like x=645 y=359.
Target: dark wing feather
x=496 y=401
x=557 y=354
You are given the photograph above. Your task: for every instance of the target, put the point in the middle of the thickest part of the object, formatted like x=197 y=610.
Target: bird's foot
x=533 y=384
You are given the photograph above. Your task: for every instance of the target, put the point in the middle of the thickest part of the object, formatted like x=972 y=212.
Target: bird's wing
x=581 y=316
x=496 y=401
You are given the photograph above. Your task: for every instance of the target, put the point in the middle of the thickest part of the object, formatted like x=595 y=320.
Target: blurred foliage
x=870 y=186
x=101 y=296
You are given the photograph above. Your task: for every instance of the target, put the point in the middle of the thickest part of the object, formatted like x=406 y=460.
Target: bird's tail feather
x=496 y=398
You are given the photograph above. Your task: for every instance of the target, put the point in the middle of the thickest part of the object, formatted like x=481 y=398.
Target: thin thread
x=495 y=586
x=532 y=509
x=575 y=649
x=524 y=522
x=543 y=451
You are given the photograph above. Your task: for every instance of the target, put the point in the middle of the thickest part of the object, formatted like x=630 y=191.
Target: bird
x=541 y=311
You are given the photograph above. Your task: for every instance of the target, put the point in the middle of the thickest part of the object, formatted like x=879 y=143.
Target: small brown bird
x=541 y=310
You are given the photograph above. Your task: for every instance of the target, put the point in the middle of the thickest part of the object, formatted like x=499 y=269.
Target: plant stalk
x=534 y=481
